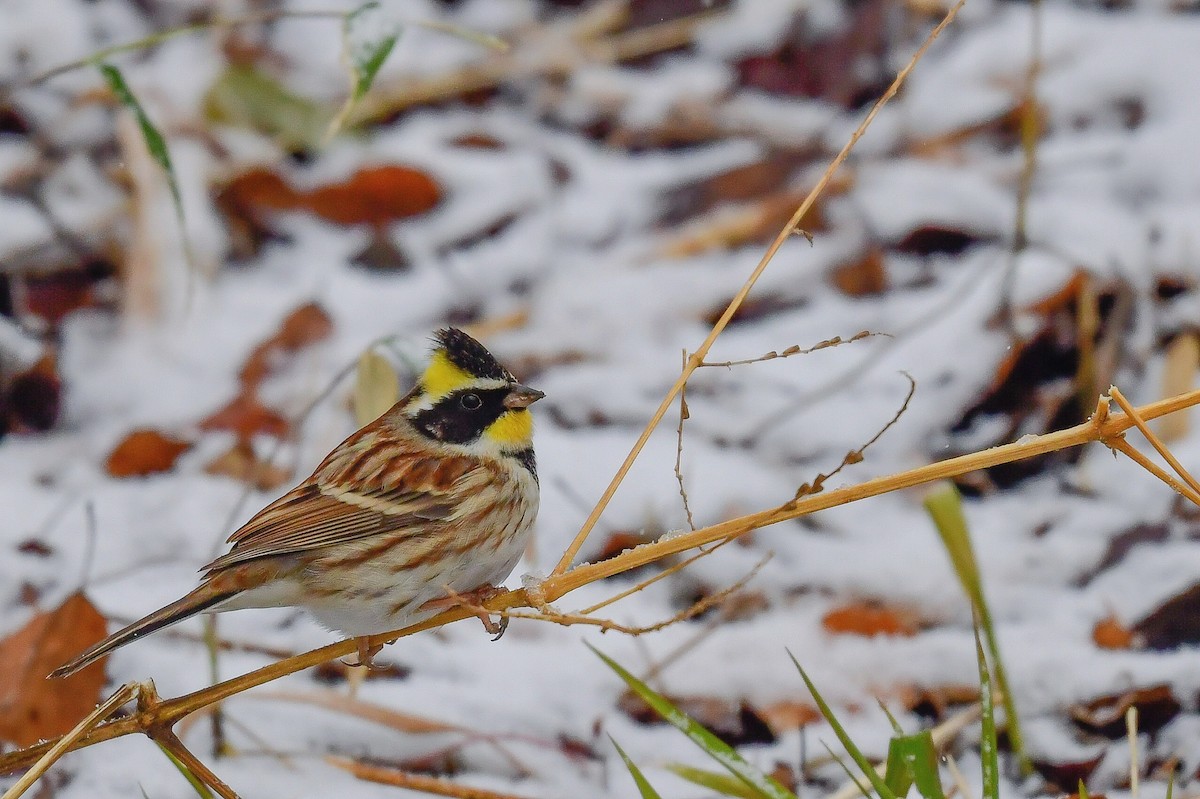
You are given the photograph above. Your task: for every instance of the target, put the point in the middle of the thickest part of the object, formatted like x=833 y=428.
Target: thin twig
x=684 y=415
x=683 y=564
x=697 y=608
x=796 y=349
x=856 y=455
x=698 y=356
x=1156 y=442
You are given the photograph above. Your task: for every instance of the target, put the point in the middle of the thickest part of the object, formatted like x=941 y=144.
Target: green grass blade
x=896 y=774
x=717 y=749
x=368 y=37
x=914 y=759
x=1083 y=792
x=858 y=783
x=855 y=753
x=644 y=786
x=724 y=784
x=156 y=145
x=896 y=728
x=1170 y=782
x=199 y=787
x=944 y=505
x=988 y=750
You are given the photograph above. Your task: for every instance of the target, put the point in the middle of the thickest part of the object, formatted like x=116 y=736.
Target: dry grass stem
x=1131 y=732
x=415 y=782
x=1101 y=427
x=1158 y=444
x=698 y=356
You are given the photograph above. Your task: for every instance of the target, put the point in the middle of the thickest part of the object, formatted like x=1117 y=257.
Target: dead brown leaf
x=144 y=452
x=1105 y=715
x=375 y=196
x=864 y=277
x=247 y=417
x=32 y=707
x=1109 y=633
x=240 y=463
x=303 y=327
x=870 y=619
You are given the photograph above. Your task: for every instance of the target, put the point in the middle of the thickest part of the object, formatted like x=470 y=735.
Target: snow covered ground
x=564 y=194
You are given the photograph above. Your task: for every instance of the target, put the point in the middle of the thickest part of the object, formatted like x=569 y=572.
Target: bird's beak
x=520 y=396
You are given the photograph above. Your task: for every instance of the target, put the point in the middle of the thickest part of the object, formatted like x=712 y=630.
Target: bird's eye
x=470 y=401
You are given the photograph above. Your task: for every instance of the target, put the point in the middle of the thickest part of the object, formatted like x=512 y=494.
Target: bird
x=428 y=506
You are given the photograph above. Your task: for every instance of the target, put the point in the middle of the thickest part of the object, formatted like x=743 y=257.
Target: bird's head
x=467 y=399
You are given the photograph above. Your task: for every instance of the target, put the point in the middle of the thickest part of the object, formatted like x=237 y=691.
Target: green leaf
x=944 y=505
x=644 y=786
x=715 y=748
x=199 y=787
x=855 y=753
x=367 y=42
x=914 y=759
x=725 y=784
x=368 y=37
x=246 y=98
x=988 y=749
x=1083 y=792
x=156 y=145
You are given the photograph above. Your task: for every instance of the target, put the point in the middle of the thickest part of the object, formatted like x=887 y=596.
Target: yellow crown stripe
x=512 y=428
x=443 y=376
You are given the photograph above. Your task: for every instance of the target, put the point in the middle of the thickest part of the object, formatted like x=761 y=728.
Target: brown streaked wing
x=315 y=515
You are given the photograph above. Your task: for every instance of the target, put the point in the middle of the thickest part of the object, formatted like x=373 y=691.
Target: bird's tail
x=203 y=598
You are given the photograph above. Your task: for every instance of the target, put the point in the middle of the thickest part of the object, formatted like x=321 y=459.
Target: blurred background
x=222 y=246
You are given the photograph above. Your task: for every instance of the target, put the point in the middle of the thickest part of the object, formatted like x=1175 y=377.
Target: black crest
x=469 y=355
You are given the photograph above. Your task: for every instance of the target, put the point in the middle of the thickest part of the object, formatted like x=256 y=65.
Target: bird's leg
x=366 y=652
x=473 y=600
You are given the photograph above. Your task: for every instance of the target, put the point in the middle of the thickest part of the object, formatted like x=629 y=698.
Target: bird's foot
x=473 y=600
x=366 y=653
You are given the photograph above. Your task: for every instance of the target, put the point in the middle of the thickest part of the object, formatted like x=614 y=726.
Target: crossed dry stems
x=155 y=717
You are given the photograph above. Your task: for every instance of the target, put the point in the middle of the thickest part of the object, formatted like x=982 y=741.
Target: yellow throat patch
x=512 y=428
x=443 y=377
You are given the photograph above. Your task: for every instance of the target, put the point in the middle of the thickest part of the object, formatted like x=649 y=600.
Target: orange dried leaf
x=864 y=277
x=144 y=452
x=240 y=463
x=376 y=196
x=789 y=715
x=1111 y=634
x=306 y=325
x=869 y=619
x=32 y=707
x=247 y=417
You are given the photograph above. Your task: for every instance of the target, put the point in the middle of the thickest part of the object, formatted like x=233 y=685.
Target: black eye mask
x=458 y=419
